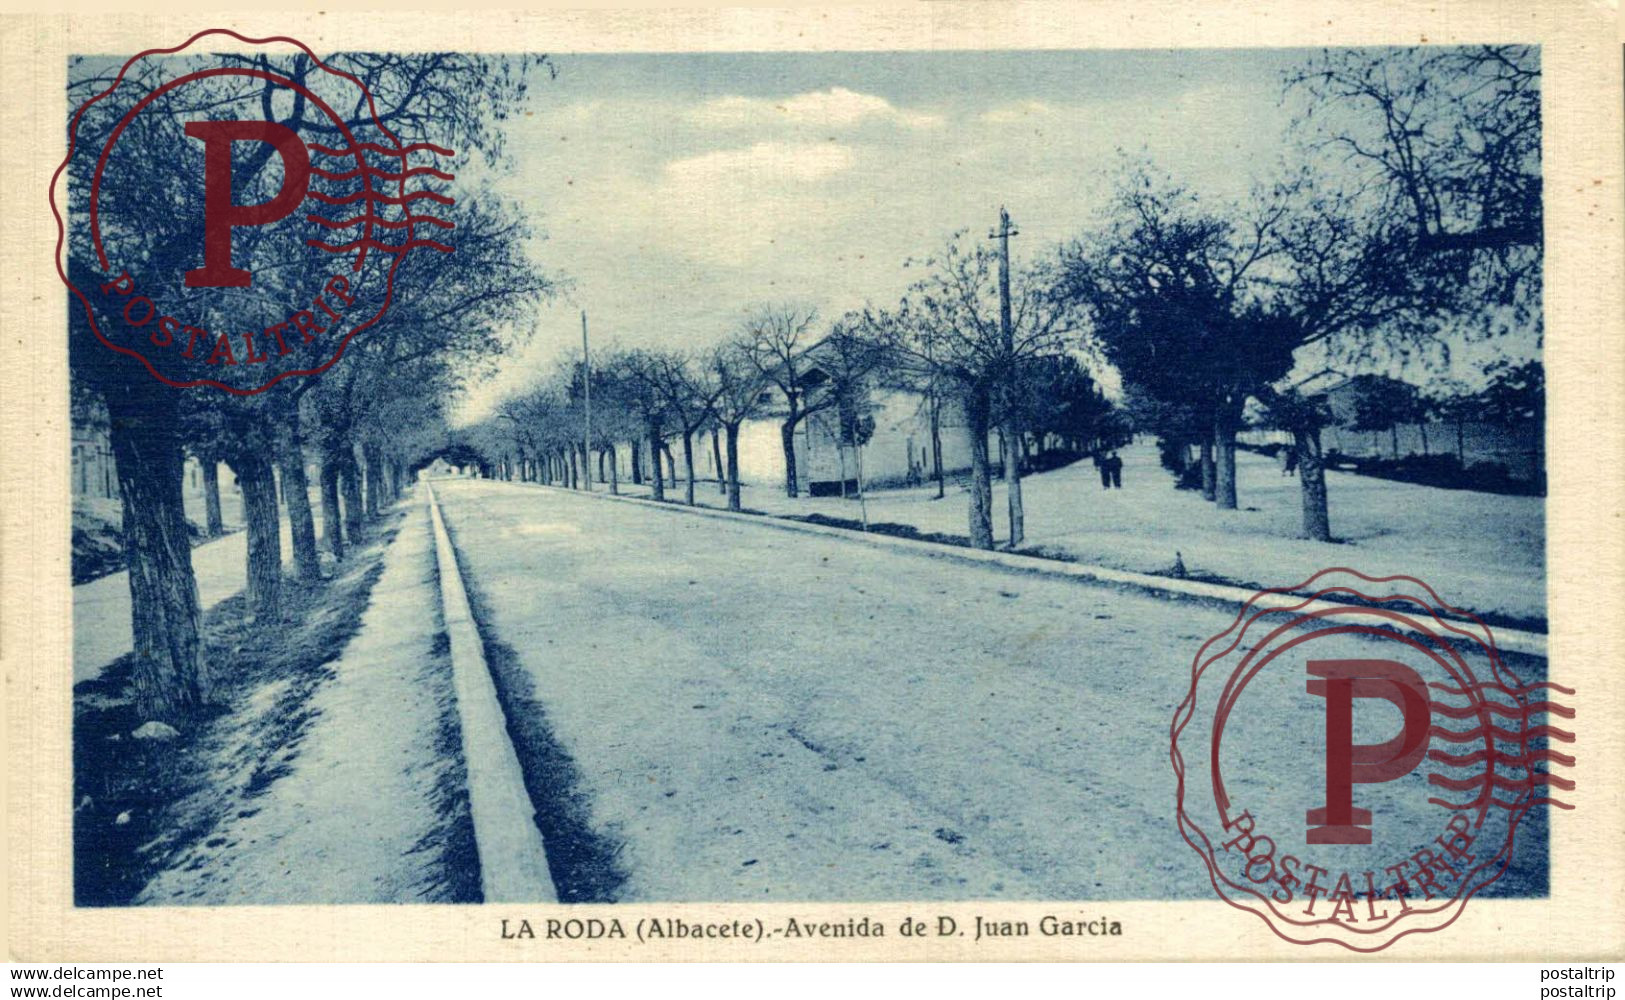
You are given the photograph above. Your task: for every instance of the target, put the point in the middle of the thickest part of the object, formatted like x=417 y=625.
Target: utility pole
x=1009 y=430
x=586 y=397
x=1003 y=234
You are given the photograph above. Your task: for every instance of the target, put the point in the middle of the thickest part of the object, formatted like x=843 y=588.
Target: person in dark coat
x=1114 y=470
x=1100 y=467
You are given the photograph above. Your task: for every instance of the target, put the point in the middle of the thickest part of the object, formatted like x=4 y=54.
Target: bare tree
x=639 y=378
x=947 y=332
x=1453 y=135
x=690 y=390
x=740 y=384
x=850 y=357
x=777 y=338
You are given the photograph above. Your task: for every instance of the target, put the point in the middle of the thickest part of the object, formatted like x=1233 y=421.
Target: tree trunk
x=1208 y=471
x=671 y=464
x=1224 y=464
x=171 y=676
x=716 y=460
x=257 y=477
x=656 y=480
x=350 y=484
x=787 y=439
x=981 y=476
x=1461 y=444
x=936 y=445
x=373 y=467
x=332 y=517
x=614 y=471
x=637 y=464
x=688 y=466
x=1012 y=482
x=863 y=500
x=1422 y=429
x=733 y=466
x=296 y=497
x=1393 y=439
x=213 y=524
x=1317 y=524
x=385 y=480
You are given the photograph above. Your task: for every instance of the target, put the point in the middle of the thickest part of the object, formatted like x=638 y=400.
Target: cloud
x=835 y=108
x=772 y=163
x=1021 y=111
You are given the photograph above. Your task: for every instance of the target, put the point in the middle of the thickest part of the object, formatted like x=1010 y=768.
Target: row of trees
x=1513 y=395
x=1415 y=211
x=654 y=400
x=944 y=342
x=365 y=421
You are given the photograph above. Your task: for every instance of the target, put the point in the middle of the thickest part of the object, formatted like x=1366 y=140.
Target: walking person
x=1114 y=471
x=1100 y=467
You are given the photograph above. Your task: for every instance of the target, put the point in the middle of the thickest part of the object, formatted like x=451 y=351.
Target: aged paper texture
x=1107 y=481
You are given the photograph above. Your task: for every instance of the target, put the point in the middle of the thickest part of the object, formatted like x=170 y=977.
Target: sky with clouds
x=675 y=191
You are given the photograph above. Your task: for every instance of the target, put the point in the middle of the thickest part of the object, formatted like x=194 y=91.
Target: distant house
x=92 y=473
x=898 y=449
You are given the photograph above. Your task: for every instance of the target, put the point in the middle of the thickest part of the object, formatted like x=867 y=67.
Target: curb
x=1506 y=639
x=513 y=859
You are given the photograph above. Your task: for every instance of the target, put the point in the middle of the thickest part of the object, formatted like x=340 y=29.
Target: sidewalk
x=1482 y=552
x=371 y=804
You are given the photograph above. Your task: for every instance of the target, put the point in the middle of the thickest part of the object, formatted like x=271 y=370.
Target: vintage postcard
x=994 y=481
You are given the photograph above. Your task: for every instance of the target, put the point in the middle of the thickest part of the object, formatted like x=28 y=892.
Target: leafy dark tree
x=1516 y=396
x=1062 y=401
x=1382 y=404
x=1172 y=290
x=1451 y=401
x=446 y=98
